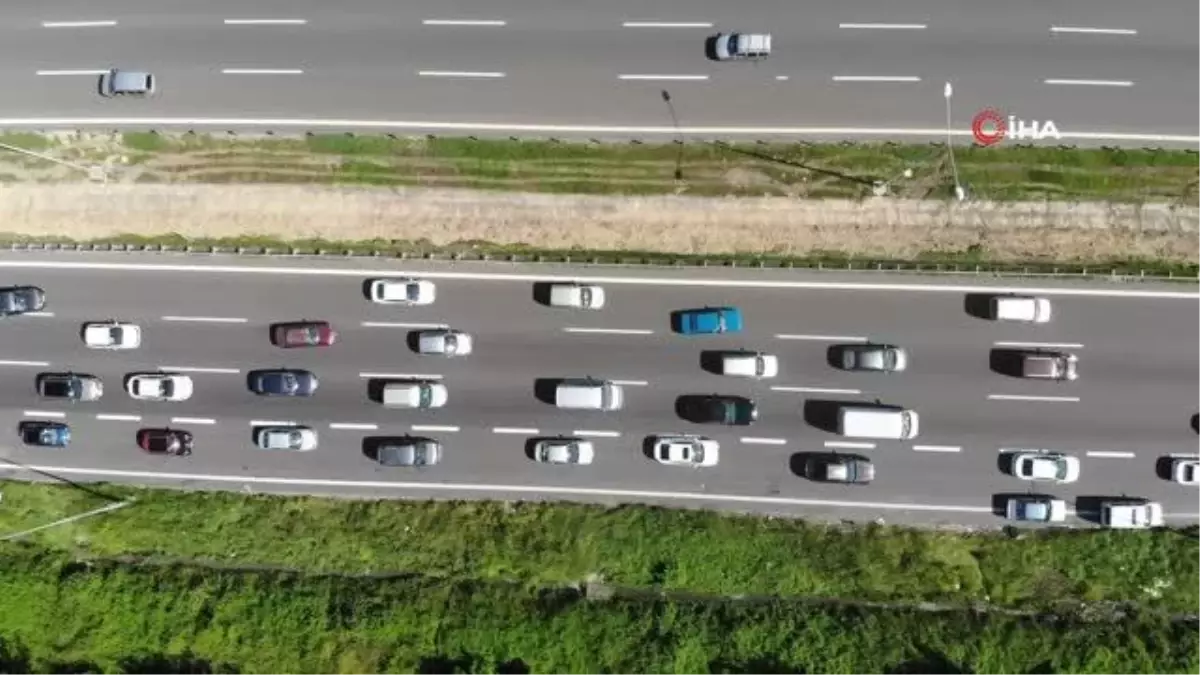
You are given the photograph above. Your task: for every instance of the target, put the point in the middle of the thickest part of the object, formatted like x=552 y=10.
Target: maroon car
x=165 y=441
x=303 y=334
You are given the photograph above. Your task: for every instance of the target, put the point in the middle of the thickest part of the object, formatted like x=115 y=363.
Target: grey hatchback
x=871 y=357
x=117 y=82
x=409 y=452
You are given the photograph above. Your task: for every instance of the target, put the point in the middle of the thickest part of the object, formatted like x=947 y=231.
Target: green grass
x=107 y=617
x=708 y=169
x=552 y=545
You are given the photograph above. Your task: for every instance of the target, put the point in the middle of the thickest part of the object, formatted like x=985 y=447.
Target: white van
x=415 y=394
x=1022 y=308
x=579 y=296
x=588 y=394
x=883 y=422
x=749 y=364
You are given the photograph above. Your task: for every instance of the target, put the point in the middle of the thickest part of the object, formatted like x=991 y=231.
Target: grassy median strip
x=62 y=616
x=632 y=546
x=695 y=168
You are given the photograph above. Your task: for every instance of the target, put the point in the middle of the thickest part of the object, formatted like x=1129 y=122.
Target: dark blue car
x=283 y=382
x=707 y=321
x=46 y=434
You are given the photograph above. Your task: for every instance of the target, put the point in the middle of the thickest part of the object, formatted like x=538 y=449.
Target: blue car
x=46 y=434
x=707 y=321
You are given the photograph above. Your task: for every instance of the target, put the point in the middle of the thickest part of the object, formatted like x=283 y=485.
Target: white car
x=444 y=342
x=749 y=364
x=1131 y=514
x=300 y=439
x=564 y=451
x=159 y=387
x=1054 y=467
x=403 y=291
x=578 y=296
x=112 y=335
x=685 y=450
x=1020 y=308
x=1186 y=471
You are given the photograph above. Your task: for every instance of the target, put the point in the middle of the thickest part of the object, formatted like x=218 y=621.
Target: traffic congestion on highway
x=830 y=392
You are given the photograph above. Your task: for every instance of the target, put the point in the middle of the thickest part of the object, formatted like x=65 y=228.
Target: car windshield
x=585 y=297
x=307 y=334
x=166 y=387
x=288 y=382
x=295 y=439
x=426 y=396
x=451 y=342
x=412 y=291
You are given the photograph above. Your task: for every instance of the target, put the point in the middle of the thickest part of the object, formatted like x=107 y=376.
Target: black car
x=283 y=382
x=165 y=441
x=720 y=409
x=16 y=300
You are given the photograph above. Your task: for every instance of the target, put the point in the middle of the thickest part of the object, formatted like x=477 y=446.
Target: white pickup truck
x=741 y=46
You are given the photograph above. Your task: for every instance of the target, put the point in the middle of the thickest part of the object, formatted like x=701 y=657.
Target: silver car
x=412 y=452
x=298 y=438
x=564 y=451
x=880 y=358
x=117 y=82
x=444 y=342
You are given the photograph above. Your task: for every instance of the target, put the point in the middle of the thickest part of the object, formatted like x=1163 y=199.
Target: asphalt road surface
x=1130 y=409
x=1104 y=66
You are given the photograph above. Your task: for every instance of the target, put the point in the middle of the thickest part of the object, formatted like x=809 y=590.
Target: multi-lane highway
x=1108 y=67
x=1131 y=407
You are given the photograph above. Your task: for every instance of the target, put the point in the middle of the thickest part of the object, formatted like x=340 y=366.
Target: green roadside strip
x=539 y=545
x=62 y=616
x=700 y=168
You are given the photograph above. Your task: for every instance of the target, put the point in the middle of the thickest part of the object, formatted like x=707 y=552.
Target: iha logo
x=989 y=127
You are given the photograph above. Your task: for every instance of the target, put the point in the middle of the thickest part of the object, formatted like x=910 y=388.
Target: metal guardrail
x=619 y=260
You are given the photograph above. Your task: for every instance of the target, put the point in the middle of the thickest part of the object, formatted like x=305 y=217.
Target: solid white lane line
x=434 y=427
x=820 y=338
x=510 y=489
x=43 y=413
x=849 y=444
x=673 y=78
x=265 y=22
x=399 y=376
x=35 y=364
x=611 y=331
x=77 y=24
x=274 y=270
x=395 y=324
x=190 y=369
x=514 y=430
x=632 y=383
x=1049 y=345
x=459 y=73
x=193 y=420
x=885 y=26
x=271 y=423
x=1091 y=83
x=353 y=425
x=1093 y=31
x=754 y=440
x=937 y=448
x=207 y=319
x=1047 y=399
x=464 y=22
x=816 y=390
x=876 y=78
x=261 y=71
x=597 y=434
x=1108 y=453
x=119 y=418
x=71 y=72
x=667 y=24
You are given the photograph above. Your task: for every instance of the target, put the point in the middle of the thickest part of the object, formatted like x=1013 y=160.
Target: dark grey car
x=409 y=452
x=117 y=82
x=16 y=300
x=283 y=382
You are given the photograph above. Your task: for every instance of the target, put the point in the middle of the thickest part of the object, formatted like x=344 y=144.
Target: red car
x=165 y=441
x=303 y=334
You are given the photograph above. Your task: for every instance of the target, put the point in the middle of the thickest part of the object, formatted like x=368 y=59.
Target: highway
x=208 y=316
x=1102 y=67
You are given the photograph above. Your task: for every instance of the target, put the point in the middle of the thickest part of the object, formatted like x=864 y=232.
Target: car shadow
x=544 y=389
x=1087 y=507
x=541 y=292
x=822 y=413
x=413 y=339
x=251 y=377
x=648 y=447
x=1004 y=462
x=371 y=445
x=710 y=360
x=978 y=305
x=1005 y=362
x=688 y=408
x=798 y=462
x=677 y=320
x=710 y=47
x=1196 y=423
x=833 y=356
x=366 y=287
